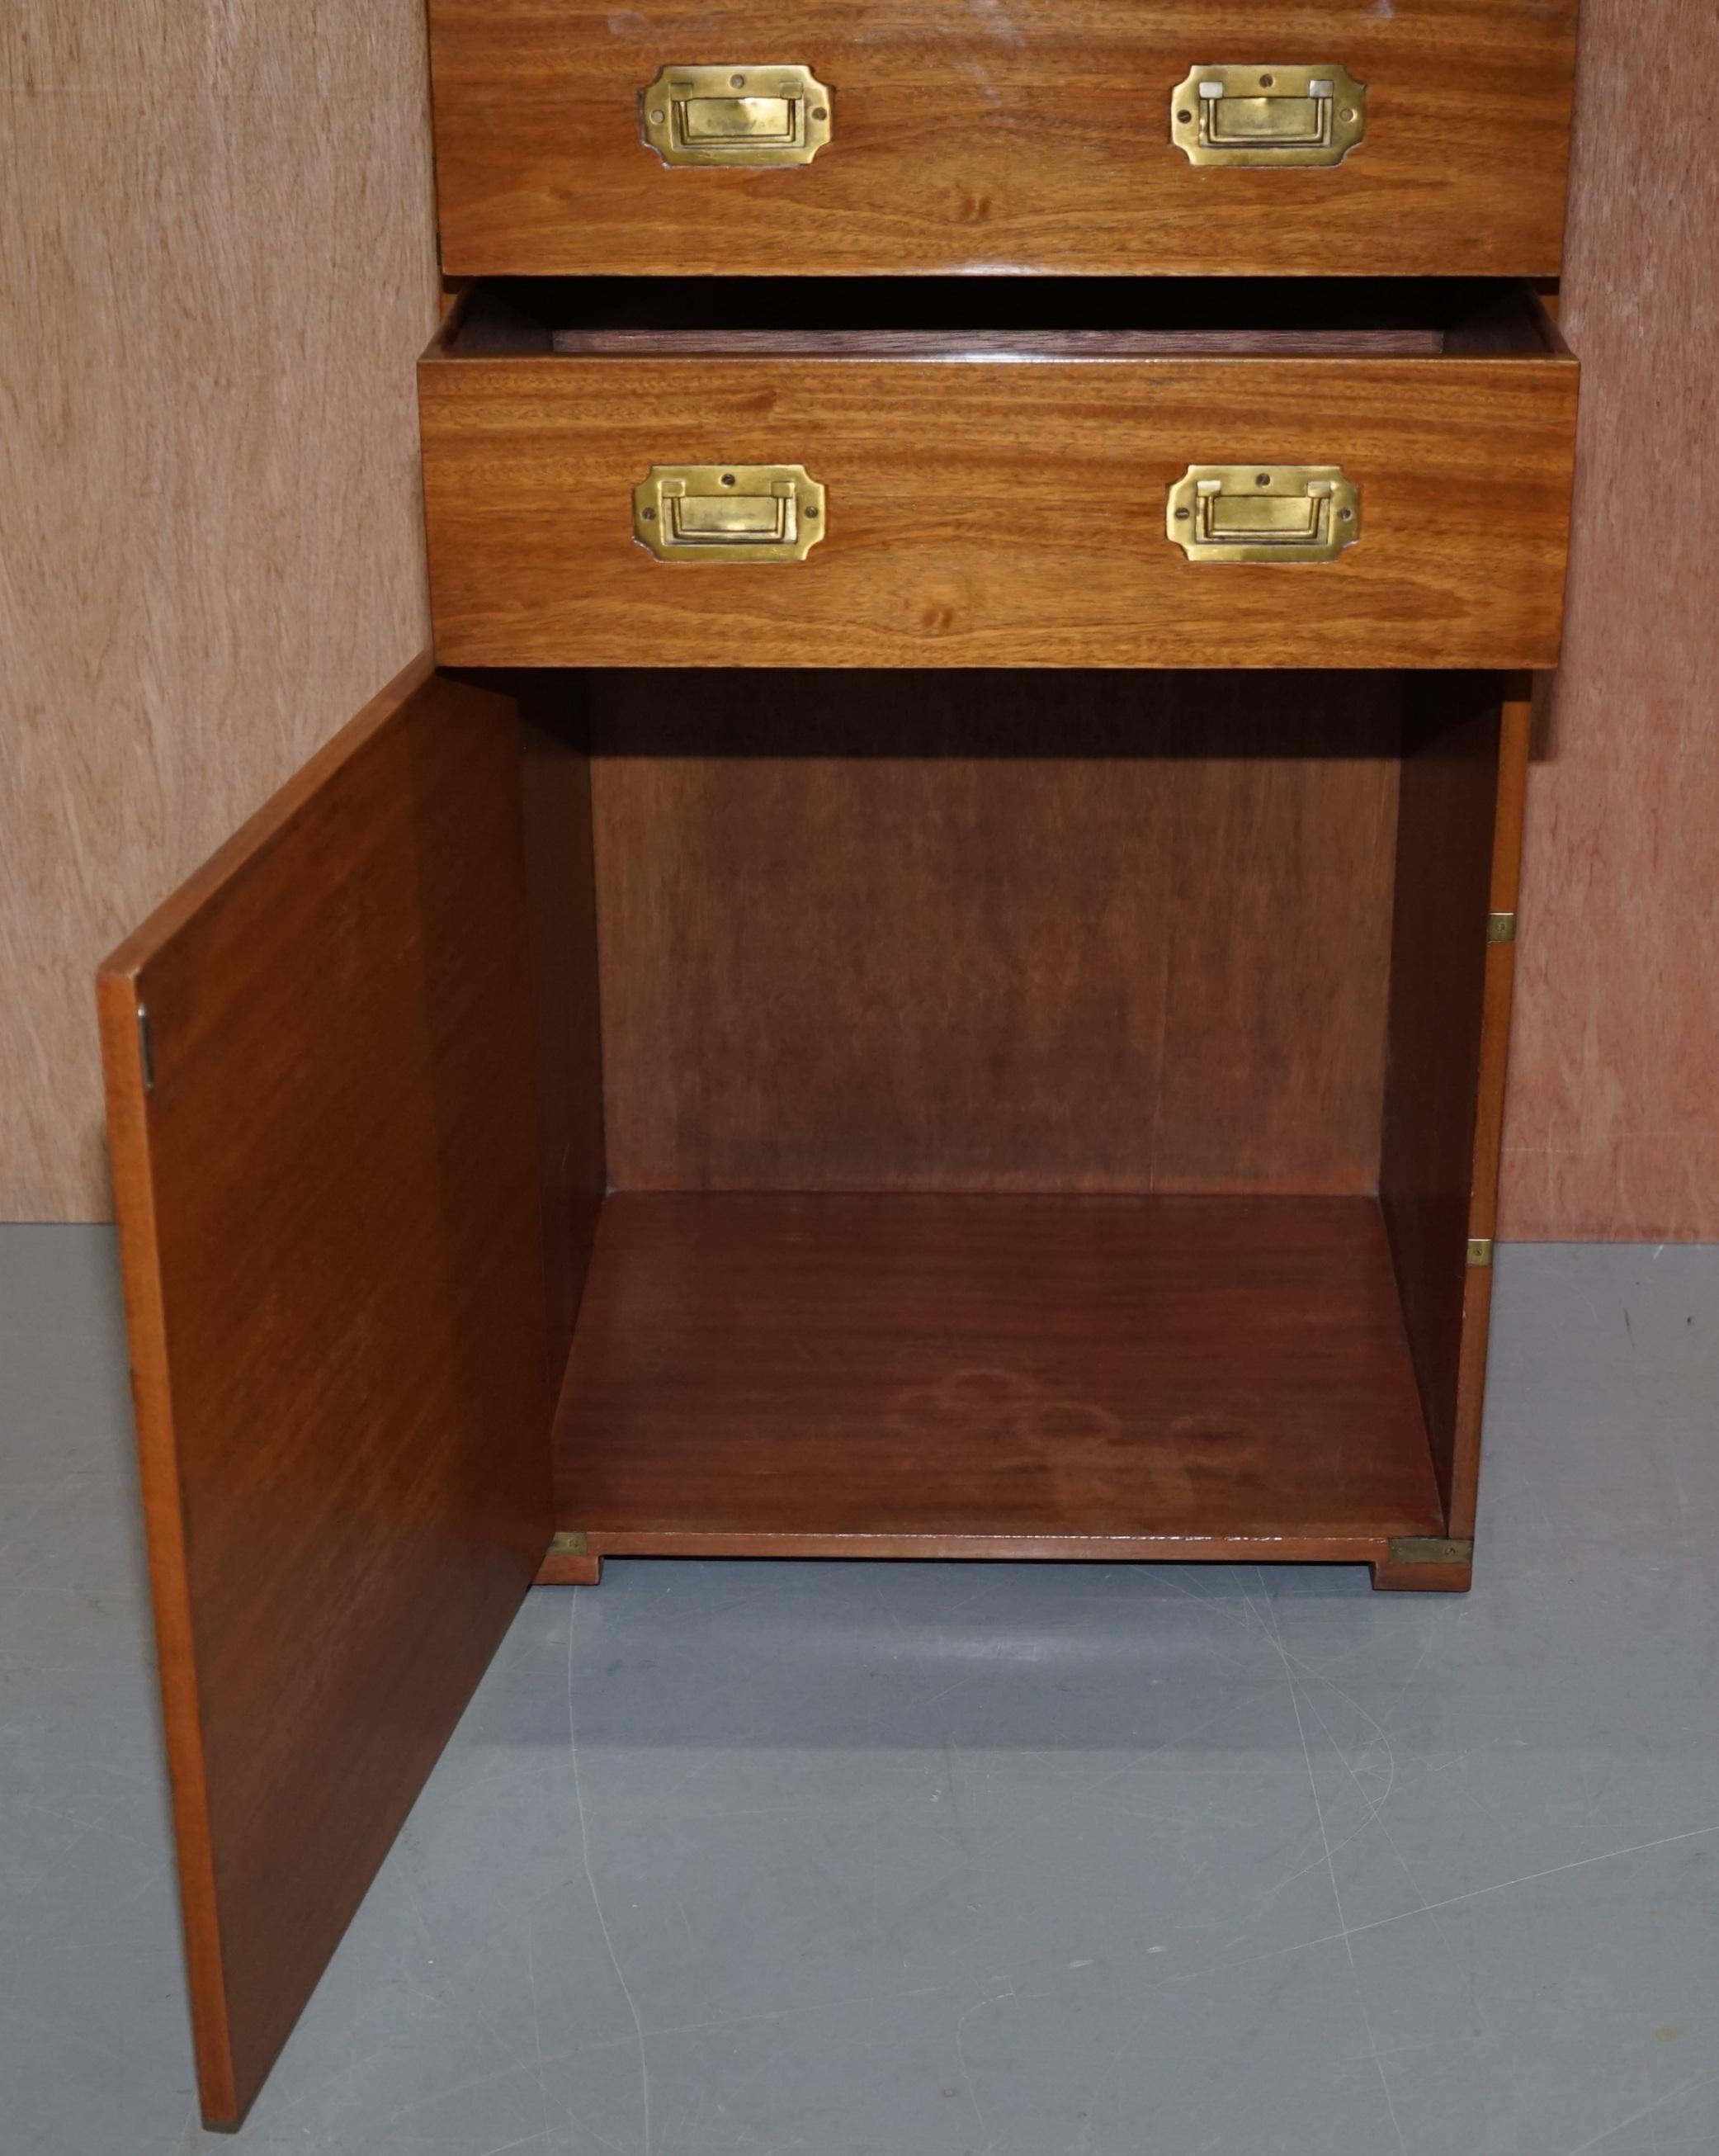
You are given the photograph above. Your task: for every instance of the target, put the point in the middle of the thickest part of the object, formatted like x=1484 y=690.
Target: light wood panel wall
x=1613 y=1128
x=217 y=233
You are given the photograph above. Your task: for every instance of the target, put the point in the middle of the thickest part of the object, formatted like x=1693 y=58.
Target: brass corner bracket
x=1430 y=1549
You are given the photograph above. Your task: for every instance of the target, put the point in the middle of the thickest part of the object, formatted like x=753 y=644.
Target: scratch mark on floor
x=591 y=1882
x=1691 y=2087
x=977 y=2006
x=1276 y=1636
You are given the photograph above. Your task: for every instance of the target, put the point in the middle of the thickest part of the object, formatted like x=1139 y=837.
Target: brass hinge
x=1429 y=1549
x=1501 y=928
x=146 y=1049
x=568 y=1545
x=1480 y=1249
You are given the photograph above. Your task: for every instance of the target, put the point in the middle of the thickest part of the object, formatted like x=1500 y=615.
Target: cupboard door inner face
x=319 y=1060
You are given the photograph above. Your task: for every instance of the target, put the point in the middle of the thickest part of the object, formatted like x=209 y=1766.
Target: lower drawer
x=1267 y=476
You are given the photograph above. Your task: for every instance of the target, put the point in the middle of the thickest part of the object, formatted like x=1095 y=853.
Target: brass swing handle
x=735 y=114
x=692 y=513
x=762 y=513
x=1267 y=116
x=1263 y=513
x=759 y=115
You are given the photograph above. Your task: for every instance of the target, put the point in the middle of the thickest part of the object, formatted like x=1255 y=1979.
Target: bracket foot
x=1428 y=1565
x=569 y=1563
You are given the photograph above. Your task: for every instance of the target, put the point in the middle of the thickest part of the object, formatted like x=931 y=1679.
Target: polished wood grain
x=983 y=931
x=972 y=137
x=1347 y=343
x=1358 y=1548
x=1438 y=963
x=1418 y=1575
x=1613 y=1130
x=1272 y=1057
x=563 y=1569
x=561 y=888
x=993 y=514
x=1459 y=849
x=983 y=1376
x=1516 y=732
x=218 y=232
x=329 y=1194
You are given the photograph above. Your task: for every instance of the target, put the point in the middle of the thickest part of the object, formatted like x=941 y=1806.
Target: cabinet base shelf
x=904 y=1375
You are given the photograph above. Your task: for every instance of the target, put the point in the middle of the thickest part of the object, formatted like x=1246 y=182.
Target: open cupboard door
x=326 y=1153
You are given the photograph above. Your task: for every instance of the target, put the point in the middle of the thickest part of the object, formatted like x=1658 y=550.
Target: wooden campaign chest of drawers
x=926 y=971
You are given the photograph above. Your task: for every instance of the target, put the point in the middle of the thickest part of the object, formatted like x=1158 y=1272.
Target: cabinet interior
x=957 y=317
x=995 y=1112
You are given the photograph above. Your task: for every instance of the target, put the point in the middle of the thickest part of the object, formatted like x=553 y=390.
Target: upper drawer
x=1038 y=136
x=1231 y=477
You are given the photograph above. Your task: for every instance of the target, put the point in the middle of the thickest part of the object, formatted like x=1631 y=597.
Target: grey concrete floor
x=739 y=1860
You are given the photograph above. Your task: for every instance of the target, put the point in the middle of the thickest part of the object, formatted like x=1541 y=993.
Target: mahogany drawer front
x=989 y=509
x=968 y=137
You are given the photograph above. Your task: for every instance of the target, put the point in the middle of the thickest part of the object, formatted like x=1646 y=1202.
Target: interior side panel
x=1444 y=845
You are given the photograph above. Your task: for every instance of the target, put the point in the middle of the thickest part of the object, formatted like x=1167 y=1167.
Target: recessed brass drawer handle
x=1268 y=116
x=728 y=512
x=736 y=116
x=1264 y=512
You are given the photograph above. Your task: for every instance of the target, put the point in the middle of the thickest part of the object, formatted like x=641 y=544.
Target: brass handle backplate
x=1268 y=116
x=1264 y=512
x=690 y=513
x=736 y=116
